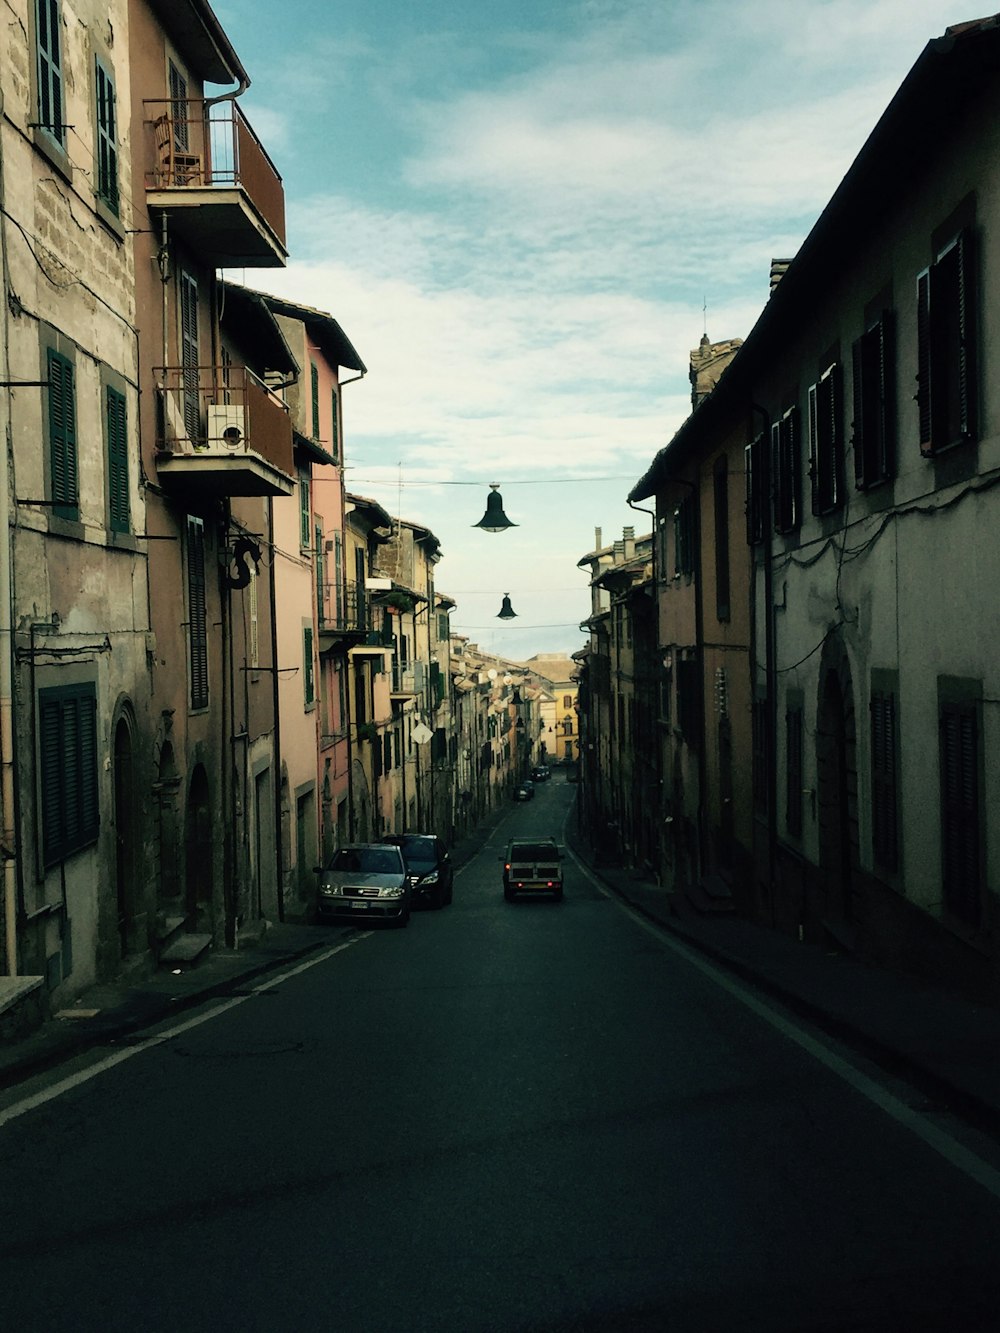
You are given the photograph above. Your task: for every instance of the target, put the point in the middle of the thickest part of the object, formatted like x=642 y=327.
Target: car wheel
x=558 y=895
x=449 y=895
x=509 y=895
x=438 y=900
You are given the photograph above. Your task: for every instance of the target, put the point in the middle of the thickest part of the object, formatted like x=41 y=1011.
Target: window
x=320 y=574
x=826 y=442
x=335 y=427
x=874 y=404
x=62 y=436
x=69 y=772
x=308 y=675
x=793 y=765
x=197 y=613
x=305 y=508
x=116 y=427
x=387 y=752
x=48 y=68
x=785 y=469
x=946 y=391
x=756 y=493
x=720 y=483
x=885 y=770
x=107 y=138
x=961 y=821
x=684 y=537
x=253 y=615
x=567 y=701
x=190 y=356
x=314 y=383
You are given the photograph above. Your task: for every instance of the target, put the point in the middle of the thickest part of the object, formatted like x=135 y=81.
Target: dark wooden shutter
x=107 y=138
x=197 y=614
x=885 y=841
x=960 y=821
x=179 y=107
x=117 y=436
x=966 y=336
x=335 y=429
x=873 y=404
x=49 y=68
x=924 y=402
x=305 y=507
x=825 y=442
x=190 y=355
x=314 y=381
x=67 y=737
x=62 y=436
x=320 y=575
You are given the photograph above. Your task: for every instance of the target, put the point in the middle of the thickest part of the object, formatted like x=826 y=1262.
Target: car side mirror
x=317 y=870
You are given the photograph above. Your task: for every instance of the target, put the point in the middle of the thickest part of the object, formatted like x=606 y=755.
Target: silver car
x=364 y=882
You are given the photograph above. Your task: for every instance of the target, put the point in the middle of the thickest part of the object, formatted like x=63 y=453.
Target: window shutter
x=305 y=508
x=964 y=295
x=924 y=360
x=197 y=614
x=70 y=805
x=960 y=826
x=49 y=69
x=814 y=448
x=117 y=436
x=190 y=355
x=335 y=431
x=307 y=666
x=107 y=140
x=62 y=436
x=885 y=841
x=754 y=459
x=179 y=106
x=314 y=381
x=859 y=424
x=320 y=575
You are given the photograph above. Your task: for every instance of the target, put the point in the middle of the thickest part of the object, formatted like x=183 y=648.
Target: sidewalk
x=946 y=1045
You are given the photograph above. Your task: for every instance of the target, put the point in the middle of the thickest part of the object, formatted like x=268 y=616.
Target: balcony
x=408 y=680
x=221 y=432
x=345 y=618
x=208 y=173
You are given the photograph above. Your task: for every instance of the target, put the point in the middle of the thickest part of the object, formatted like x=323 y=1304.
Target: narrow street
x=507 y=1116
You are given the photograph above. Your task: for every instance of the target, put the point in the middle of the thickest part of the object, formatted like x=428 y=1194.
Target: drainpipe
x=279 y=848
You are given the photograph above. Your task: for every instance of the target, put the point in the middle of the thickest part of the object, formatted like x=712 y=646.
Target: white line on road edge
x=109 y=1062
x=942 y=1142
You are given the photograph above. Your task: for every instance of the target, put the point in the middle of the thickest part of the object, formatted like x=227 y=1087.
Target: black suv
x=428 y=867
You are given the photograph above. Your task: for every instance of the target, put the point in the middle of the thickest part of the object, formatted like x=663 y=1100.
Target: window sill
x=110 y=219
x=53 y=153
x=67 y=527
x=123 y=541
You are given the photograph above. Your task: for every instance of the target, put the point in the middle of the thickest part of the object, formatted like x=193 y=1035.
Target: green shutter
x=107 y=141
x=305 y=508
x=307 y=666
x=68 y=778
x=117 y=435
x=335 y=429
x=62 y=436
x=314 y=377
x=49 y=69
x=320 y=575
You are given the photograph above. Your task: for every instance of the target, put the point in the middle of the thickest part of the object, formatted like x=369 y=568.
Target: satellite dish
x=492 y=673
x=507 y=679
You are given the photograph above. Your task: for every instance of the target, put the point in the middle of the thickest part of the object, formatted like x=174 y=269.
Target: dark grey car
x=428 y=867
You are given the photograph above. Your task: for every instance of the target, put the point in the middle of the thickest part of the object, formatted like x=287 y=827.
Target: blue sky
x=524 y=216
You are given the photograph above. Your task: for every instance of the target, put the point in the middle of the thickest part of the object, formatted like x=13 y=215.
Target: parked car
x=541 y=773
x=428 y=867
x=525 y=791
x=532 y=865
x=364 y=881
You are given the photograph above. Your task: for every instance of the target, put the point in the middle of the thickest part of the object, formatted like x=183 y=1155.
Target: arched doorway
x=125 y=834
x=836 y=788
x=198 y=878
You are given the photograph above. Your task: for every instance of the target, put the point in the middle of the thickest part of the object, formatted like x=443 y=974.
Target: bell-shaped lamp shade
x=494 y=520
x=506 y=611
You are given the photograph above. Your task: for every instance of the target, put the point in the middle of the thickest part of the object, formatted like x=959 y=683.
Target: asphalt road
x=529 y=1116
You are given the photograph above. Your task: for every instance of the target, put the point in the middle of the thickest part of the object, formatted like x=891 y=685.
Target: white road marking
x=85 y=1075
x=966 y=1161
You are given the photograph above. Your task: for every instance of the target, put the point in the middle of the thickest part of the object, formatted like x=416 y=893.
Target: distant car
x=428 y=867
x=525 y=791
x=364 y=881
x=541 y=774
x=532 y=865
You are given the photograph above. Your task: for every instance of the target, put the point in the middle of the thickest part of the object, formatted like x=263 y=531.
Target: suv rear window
x=533 y=851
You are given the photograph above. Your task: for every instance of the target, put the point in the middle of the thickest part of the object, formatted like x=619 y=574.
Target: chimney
x=597 y=539
x=628 y=542
x=779 y=267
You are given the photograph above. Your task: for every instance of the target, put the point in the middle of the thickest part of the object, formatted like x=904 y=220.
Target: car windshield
x=366 y=860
